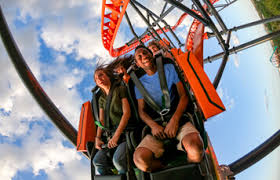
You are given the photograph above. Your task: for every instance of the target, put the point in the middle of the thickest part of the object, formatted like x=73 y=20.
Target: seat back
x=190 y=171
x=110 y=177
x=87 y=129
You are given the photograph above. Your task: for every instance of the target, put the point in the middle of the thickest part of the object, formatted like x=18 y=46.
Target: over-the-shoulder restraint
x=147 y=98
x=107 y=106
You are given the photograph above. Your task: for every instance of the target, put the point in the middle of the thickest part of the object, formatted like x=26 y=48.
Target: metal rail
x=189 y=11
x=244 y=46
x=257 y=154
x=144 y=19
x=216 y=14
x=211 y=24
x=263 y=21
x=223 y=64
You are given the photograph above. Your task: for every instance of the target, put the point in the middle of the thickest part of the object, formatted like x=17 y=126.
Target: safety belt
x=107 y=107
x=148 y=99
x=94 y=104
x=163 y=84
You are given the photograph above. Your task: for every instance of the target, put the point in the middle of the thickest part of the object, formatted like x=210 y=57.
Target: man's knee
x=194 y=146
x=142 y=158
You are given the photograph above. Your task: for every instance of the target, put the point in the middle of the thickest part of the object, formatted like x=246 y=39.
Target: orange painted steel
x=110 y=23
x=194 y=41
x=115 y=10
x=214 y=160
x=87 y=128
x=204 y=91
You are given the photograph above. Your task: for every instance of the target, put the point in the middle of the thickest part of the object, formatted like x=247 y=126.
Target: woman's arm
x=124 y=120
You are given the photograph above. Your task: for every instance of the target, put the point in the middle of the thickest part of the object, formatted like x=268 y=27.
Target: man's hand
x=98 y=143
x=158 y=131
x=171 y=128
x=113 y=142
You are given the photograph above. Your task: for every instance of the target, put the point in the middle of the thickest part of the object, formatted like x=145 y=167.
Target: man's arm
x=157 y=130
x=172 y=126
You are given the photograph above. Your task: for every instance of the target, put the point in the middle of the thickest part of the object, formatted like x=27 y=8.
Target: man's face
x=154 y=49
x=143 y=58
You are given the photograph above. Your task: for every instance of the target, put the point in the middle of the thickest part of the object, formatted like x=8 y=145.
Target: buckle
x=164 y=112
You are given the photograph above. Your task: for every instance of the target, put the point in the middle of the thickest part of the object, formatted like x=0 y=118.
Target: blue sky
x=61 y=43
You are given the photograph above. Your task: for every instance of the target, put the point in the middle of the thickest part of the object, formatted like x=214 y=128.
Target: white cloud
x=41 y=149
x=62 y=89
x=266 y=100
x=68 y=37
x=228 y=101
x=235 y=40
x=236 y=60
x=39 y=154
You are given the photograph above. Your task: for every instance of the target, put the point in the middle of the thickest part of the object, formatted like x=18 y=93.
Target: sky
x=61 y=43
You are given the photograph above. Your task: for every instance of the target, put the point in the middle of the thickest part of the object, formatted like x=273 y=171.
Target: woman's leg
x=119 y=158
x=102 y=163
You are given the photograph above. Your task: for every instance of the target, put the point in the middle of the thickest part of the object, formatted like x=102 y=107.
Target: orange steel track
x=110 y=22
x=194 y=41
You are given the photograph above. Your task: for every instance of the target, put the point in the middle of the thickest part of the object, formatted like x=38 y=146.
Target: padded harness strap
x=148 y=99
x=163 y=85
x=107 y=107
x=94 y=105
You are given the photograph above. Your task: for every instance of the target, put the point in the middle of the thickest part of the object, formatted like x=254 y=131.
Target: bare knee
x=194 y=146
x=142 y=158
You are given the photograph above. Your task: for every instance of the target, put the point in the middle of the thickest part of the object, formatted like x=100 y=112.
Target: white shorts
x=156 y=146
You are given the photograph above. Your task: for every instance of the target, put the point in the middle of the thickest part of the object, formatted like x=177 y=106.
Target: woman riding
x=115 y=120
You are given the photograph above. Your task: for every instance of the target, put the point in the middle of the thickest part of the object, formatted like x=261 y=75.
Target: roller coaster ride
x=113 y=12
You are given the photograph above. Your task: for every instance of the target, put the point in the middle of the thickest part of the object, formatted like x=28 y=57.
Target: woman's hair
x=106 y=70
x=124 y=61
x=155 y=43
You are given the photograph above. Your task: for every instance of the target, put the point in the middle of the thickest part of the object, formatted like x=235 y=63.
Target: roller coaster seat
x=181 y=170
x=177 y=170
x=133 y=128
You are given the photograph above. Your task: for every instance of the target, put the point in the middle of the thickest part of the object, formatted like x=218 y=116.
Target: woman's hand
x=98 y=143
x=113 y=142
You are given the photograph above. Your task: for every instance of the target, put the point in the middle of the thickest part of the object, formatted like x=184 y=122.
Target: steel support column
x=245 y=46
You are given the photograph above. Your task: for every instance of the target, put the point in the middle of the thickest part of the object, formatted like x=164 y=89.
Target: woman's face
x=101 y=79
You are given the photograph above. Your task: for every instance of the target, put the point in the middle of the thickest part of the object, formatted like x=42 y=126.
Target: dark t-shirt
x=116 y=110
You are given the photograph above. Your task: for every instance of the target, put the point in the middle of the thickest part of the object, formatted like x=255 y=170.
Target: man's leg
x=191 y=142
x=193 y=145
x=146 y=153
x=145 y=161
